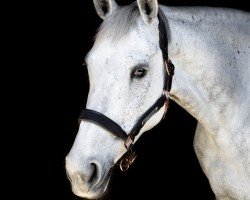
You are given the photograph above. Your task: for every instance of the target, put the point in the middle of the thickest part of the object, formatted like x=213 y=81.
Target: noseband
x=128 y=138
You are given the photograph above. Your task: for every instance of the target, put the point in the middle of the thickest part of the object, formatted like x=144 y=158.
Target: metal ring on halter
x=127 y=160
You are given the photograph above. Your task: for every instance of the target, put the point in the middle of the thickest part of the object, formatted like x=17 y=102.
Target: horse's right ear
x=105 y=7
x=148 y=9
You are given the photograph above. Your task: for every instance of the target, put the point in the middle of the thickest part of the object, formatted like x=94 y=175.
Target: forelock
x=119 y=23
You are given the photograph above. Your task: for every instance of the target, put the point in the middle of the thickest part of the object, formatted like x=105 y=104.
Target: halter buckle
x=169 y=67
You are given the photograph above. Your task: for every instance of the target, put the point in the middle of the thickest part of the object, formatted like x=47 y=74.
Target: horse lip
x=68 y=176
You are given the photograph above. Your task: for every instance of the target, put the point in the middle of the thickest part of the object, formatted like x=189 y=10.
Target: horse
x=210 y=49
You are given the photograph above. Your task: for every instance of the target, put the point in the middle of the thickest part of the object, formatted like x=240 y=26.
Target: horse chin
x=92 y=193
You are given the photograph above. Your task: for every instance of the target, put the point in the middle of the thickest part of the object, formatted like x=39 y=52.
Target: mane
x=119 y=23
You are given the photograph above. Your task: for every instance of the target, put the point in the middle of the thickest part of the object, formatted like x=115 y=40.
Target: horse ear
x=148 y=9
x=104 y=7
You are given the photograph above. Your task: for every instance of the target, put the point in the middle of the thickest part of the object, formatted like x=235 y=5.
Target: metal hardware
x=127 y=160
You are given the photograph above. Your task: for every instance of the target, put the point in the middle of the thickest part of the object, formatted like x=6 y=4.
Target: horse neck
x=198 y=84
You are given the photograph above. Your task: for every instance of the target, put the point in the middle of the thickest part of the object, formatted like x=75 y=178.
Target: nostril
x=94 y=174
x=86 y=175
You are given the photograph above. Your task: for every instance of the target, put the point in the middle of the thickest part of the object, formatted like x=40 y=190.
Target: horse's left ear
x=105 y=7
x=148 y=9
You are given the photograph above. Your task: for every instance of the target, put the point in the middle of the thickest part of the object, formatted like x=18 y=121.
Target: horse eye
x=139 y=72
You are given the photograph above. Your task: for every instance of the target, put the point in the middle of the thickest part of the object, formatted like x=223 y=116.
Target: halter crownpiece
x=114 y=128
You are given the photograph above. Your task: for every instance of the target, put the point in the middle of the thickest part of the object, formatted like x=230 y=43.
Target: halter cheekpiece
x=128 y=138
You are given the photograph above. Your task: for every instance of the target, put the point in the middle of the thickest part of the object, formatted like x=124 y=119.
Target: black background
x=52 y=39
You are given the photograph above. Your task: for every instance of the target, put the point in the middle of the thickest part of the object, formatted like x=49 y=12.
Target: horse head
x=126 y=74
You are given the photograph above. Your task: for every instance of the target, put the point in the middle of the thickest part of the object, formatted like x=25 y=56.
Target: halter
x=128 y=138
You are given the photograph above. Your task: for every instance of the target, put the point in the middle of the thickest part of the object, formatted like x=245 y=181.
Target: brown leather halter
x=128 y=138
